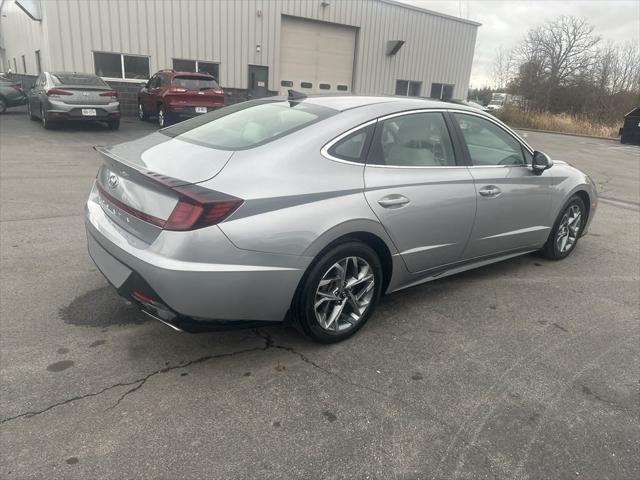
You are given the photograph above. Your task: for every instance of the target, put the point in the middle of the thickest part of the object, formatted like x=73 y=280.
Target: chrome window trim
x=324 y=151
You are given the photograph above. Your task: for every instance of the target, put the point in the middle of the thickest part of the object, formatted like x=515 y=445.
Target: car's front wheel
x=339 y=293
x=566 y=230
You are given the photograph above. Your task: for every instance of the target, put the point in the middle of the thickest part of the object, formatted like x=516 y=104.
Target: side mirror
x=540 y=162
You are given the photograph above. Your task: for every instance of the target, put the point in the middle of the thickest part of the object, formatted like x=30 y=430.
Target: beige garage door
x=316 y=57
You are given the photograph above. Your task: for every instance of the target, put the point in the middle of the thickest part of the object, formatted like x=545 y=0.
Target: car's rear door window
x=413 y=140
x=248 y=124
x=487 y=143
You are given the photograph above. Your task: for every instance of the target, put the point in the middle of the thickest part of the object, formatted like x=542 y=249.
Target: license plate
x=201 y=109
x=89 y=112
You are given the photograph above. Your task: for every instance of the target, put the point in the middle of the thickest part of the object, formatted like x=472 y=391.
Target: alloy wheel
x=344 y=294
x=161 y=119
x=569 y=229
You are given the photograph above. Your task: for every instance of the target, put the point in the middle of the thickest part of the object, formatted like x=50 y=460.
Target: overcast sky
x=505 y=22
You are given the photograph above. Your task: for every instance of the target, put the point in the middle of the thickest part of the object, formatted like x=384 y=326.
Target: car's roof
x=348 y=102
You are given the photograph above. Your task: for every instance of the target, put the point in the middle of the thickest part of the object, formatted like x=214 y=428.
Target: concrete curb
x=567 y=134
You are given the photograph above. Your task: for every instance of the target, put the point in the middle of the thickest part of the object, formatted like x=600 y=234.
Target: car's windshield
x=248 y=124
x=77 y=79
x=194 y=82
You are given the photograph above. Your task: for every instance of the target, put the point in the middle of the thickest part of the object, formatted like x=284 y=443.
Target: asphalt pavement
x=526 y=369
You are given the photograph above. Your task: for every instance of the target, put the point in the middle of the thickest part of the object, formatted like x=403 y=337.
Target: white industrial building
x=254 y=47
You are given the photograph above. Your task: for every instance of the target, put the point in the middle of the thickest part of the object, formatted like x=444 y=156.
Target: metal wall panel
x=438 y=48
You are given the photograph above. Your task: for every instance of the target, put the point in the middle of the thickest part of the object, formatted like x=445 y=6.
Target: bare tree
x=503 y=68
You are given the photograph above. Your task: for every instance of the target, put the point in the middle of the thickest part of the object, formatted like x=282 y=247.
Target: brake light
x=56 y=92
x=197 y=207
x=191 y=214
x=177 y=90
x=218 y=91
x=110 y=94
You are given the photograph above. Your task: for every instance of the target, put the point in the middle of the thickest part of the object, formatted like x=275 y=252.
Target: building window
x=286 y=83
x=441 y=91
x=306 y=84
x=118 y=65
x=183 y=65
x=324 y=86
x=342 y=88
x=38 y=64
x=408 y=88
x=24 y=65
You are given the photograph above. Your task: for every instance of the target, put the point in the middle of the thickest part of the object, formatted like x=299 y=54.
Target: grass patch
x=556 y=122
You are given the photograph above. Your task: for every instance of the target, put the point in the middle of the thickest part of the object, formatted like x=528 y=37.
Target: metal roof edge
x=430 y=12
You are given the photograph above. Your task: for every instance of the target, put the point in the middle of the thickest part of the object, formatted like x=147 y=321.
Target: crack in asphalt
x=140 y=382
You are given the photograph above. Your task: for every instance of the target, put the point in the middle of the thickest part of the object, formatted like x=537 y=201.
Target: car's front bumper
x=235 y=287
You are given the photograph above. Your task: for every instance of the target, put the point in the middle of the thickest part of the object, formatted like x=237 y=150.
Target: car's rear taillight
x=197 y=207
x=218 y=91
x=18 y=88
x=112 y=94
x=177 y=90
x=191 y=213
x=57 y=92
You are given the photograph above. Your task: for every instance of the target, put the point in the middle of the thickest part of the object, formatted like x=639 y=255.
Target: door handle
x=490 y=191
x=393 y=201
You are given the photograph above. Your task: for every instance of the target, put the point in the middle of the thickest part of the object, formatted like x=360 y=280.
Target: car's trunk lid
x=84 y=95
x=136 y=179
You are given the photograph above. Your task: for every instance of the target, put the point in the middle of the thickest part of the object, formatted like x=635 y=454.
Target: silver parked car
x=64 y=96
x=311 y=208
x=11 y=94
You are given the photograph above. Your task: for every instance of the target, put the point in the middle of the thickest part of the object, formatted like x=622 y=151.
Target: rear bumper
x=183 y=112
x=63 y=111
x=243 y=288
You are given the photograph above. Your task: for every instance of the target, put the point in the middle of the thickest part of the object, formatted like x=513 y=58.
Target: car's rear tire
x=114 y=124
x=30 y=113
x=330 y=306
x=162 y=117
x=142 y=115
x=566 y=230
x=46 y=123
x=3 y=105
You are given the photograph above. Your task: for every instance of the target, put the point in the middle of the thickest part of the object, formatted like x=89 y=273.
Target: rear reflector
x=110 y=94
x=143 y=298
x=56 y=92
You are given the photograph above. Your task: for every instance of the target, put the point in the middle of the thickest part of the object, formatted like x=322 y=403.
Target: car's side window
x=487 y=143
x=414 y=140
x=353 y=147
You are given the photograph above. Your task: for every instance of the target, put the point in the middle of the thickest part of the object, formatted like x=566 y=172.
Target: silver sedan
x=70 y=96
x=310 y=209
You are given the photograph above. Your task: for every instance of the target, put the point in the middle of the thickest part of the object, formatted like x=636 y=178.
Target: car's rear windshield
x=248 y=124
x=77 y=79
x=192 y=82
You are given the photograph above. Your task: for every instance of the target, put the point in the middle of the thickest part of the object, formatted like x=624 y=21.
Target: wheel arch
x=367 y=232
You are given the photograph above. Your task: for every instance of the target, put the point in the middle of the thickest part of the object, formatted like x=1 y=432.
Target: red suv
x=173 y=96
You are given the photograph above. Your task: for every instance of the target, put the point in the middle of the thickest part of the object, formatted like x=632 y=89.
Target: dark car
x=60 y=96
x=173 y=96
x=11 y=94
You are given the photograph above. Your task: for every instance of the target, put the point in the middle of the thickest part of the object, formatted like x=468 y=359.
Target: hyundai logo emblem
x=113 y=181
